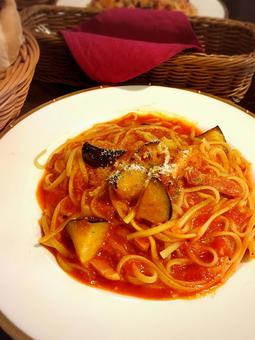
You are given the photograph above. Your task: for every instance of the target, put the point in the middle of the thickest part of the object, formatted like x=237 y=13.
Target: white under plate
x=210 y=8
x=40 y=298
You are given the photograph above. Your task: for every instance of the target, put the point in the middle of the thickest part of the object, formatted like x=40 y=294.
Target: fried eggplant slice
x=214 y=134
x=99 y=157
x=87 y=237
x=155 y=204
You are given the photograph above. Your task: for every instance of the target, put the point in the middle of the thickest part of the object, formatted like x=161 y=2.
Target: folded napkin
x=119 y=44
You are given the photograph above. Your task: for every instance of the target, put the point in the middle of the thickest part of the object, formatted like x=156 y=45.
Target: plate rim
x=224 y=7
x=14 y=122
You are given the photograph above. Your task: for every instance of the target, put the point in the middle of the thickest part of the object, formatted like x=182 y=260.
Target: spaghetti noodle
x=148 y=206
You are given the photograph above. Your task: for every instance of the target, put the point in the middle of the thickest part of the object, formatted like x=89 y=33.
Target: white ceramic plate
x=210 y=8
x=41 y=299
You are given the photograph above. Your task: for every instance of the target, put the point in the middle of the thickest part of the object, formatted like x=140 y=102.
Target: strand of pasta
x=178 y=236
x=47 y=182
x=164 y=238
x=94 y=208
x=147 y=136
x=70 y=161
x=52 y=185
x=44 y=224
x=37 y=164
x=176 y=210
x=124 y=139
x=205 y=226
x=199 y=284
x=152 y=127
x=71 y=190
x=55 y=215
x=83 y=168
x=251 y=244
x=238 y=171
x=53 y=243
x=196 y=260
x=53 y=233
x=218 y=142
x=176 y=139
x=118 y=137
x=251 y=201
x=204 y=147
x=118 y=205
x=249 y=227
x=68 y=266
x=216 y=165
x=204 y=187
x=249 y=178
x=145 y=278
x=59 y=165
x=237 y=240
x=192 y=132
x=217 y=152
x=150 y=231
x=170 y=249
x=85 y=207
x=220 y=204
x=165 y=275
x=188 y=227
x=135 y=226
x=243 y=185
x=188 y=214
x=216 y=170
x=177 y=262
x=194 y=286
x=100 y=132
x=226 y=222
x=238 y=259
x=179 y=201
x=130 y=216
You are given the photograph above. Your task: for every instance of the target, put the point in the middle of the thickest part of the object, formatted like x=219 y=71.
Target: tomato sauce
x=116 y=244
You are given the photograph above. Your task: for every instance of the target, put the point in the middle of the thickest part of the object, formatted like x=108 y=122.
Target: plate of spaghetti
x=129 y=210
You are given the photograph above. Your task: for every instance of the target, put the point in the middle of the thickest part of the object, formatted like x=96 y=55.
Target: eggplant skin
x=99 y=157
x=87 y=237
x=130 y=181
x=155 y=205
x=214 y=134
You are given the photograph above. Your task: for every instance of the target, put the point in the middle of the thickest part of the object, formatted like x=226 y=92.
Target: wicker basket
x=27 y=3
x=15 y=82
x=225 y=70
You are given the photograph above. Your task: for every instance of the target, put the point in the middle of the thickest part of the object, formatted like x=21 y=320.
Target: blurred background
x=241 y=9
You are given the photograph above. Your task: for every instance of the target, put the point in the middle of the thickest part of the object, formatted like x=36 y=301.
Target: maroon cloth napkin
x=119 y=44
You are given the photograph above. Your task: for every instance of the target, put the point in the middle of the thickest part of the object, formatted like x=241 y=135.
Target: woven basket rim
x=11 y=125
x=37 y=9
x=16 y=80
x=89 y=10
x=226 y=69
x=20 y=69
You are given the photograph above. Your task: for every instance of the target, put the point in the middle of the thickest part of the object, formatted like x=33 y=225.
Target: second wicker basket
x=226 y=69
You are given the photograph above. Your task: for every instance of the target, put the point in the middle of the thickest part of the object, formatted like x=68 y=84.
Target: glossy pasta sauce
x=195 y=264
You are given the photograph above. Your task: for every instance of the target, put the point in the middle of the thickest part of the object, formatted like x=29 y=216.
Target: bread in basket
x=19 y=54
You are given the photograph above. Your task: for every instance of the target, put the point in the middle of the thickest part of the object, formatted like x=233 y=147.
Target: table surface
x=40 y=92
